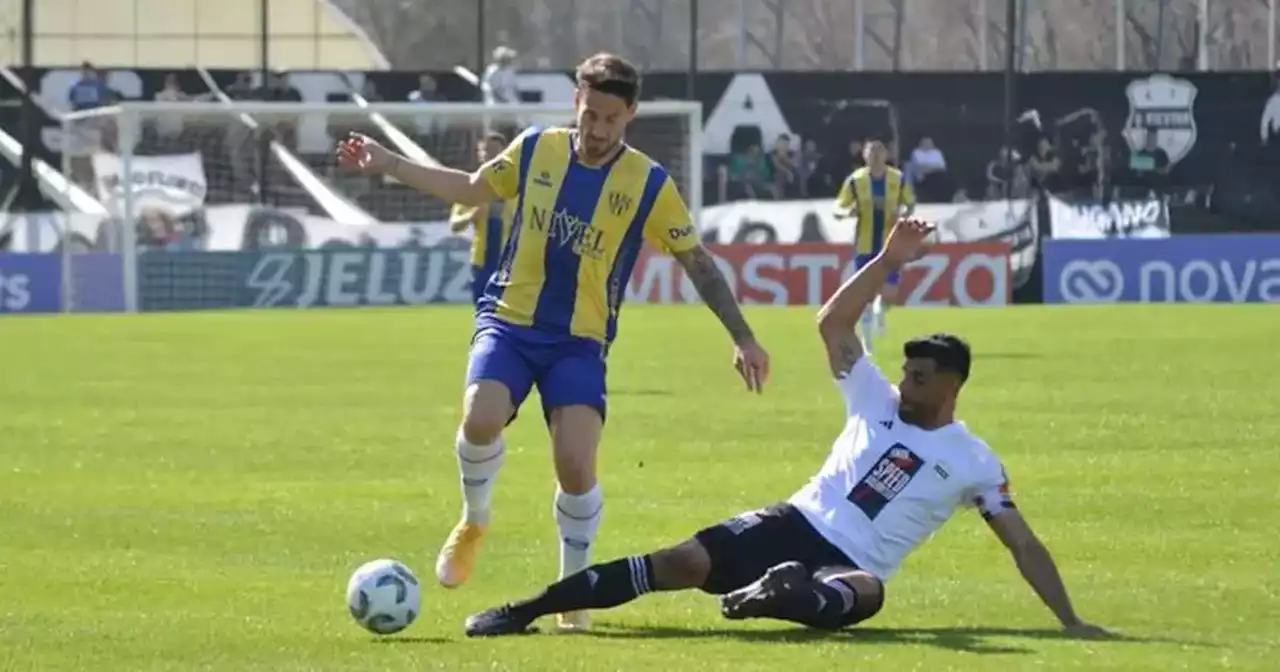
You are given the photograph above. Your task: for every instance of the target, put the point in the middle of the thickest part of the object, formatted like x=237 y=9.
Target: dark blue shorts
x=567 y=370
x=479 y=279
x=864 y=259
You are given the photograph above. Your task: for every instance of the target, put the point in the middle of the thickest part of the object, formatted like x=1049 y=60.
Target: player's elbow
x=474 y=190
x=832 y=327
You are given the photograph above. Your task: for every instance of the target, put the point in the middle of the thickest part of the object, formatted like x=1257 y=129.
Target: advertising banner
x=1192 y=269
x=1078 y=220
x=304 y=279
x=30 y=283
x=965 y=274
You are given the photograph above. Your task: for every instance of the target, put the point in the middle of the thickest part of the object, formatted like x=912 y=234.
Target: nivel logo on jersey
x=565 y=229
x=888 y=477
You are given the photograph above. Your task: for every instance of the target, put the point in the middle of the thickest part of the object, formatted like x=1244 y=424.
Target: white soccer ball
x=384 y=596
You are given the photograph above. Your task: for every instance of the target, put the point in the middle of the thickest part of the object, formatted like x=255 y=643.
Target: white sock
x=577 y=518
x=478 y=466
x=867 y=328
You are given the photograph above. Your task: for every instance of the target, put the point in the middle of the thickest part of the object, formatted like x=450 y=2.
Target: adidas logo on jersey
x=887 y=424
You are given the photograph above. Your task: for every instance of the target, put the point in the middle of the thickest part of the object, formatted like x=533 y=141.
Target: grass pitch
x=190 y=492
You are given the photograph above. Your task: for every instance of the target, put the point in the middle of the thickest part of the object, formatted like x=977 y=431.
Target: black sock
x=597 y=587
x=815 y=604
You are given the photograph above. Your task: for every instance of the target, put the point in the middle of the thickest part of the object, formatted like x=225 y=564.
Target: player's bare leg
x=486 y=410
x=601 y=586
x=789 y=592
x=575 y=437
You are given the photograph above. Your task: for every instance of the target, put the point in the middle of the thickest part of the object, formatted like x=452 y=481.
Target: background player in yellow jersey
x=491 y=221
x=586 y=204
x=877 y=195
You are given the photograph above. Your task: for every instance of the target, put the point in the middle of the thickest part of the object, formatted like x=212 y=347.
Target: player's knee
x=486 y=411
x=575 y=436
x=867 y=592
x=681 y=567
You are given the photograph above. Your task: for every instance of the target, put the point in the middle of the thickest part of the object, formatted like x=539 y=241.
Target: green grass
x=190 y=492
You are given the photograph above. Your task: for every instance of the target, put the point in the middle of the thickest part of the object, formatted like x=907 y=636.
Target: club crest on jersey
x=888 y=477
x=619 y=203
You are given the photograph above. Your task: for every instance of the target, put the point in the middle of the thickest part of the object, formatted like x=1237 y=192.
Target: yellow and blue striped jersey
x=878 y=202
x=577 y=233
x=492 y=225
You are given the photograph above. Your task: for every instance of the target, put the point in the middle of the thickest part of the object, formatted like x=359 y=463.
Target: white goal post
x=212 y=158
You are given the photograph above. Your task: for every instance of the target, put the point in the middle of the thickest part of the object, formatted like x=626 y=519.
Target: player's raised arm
x=838 y=317
x=670 y=228
x=493 y=181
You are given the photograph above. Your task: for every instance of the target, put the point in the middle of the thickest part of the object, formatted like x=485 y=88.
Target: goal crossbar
x=130 y=117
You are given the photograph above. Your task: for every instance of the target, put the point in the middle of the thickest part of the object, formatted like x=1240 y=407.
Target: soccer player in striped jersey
x=491 y=223
x=876 y=194
x=586 y=203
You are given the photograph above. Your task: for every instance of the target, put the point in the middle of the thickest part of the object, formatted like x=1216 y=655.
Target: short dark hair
x=494 y=136
x=610 y=73
x=949 y=353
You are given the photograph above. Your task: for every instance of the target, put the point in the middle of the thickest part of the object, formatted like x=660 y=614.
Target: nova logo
x=619 y=203
x=1091 y=281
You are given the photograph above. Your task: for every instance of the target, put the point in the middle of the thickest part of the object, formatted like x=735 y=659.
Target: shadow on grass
x=399 y=641
x=963 y=639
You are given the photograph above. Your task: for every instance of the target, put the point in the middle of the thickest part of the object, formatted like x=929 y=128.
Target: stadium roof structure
x=304 y=34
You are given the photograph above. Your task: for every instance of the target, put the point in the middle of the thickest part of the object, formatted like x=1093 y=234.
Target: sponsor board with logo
x=1013 y=223
x=30 y=283
x=304 y=279
x=1190 y=269
x=962 y=274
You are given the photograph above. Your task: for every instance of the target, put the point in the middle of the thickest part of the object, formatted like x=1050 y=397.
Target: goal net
x=241 y=204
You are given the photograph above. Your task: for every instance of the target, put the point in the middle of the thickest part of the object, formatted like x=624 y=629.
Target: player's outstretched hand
x=752 y=363
x=906 y=241
x=363 y=154
x=1084 y=630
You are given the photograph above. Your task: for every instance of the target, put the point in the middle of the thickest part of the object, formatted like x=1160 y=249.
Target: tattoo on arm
x=715 y=292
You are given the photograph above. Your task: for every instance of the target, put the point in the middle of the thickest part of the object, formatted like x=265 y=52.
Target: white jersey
x=887 y=485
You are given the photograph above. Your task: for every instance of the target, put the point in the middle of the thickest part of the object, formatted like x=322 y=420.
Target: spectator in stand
x=168 y=127
x=425 y=93
x=242 y=88
x=90 y=90
x=277 y=89
x=808 y=165
x=370 y=92
x=927 y=170
x=782 y=165
x=499 y=83
x=500 y=86
x=1045 y=166
x=1149 y=166
x=1006 y=172
x=748 y=176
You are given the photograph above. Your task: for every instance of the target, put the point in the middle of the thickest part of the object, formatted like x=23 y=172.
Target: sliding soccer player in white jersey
x=899 y=469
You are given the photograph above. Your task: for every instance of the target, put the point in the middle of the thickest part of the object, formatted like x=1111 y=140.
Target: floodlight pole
x=28 y=197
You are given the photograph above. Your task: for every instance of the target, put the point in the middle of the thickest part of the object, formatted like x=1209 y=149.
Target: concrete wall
x=304 y=34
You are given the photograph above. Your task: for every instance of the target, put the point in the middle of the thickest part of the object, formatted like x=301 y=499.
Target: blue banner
x=30 y=283
x=304 y=279
x=1191 y=269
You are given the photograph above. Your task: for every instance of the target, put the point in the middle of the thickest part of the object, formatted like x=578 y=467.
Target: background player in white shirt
x=901 y=466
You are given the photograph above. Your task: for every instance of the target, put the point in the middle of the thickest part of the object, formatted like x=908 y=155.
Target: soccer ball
x=384 y=596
